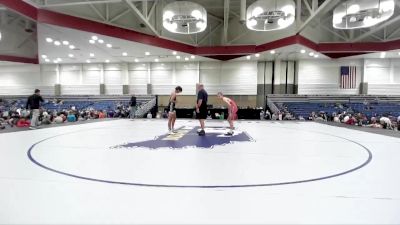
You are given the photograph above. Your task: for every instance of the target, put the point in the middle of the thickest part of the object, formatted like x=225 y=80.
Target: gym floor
x=123 y=171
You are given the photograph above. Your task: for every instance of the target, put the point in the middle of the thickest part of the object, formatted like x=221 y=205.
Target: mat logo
x=188 y=137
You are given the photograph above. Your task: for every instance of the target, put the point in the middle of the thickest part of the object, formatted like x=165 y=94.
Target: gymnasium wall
x=379 y=76
x=323 y=76
x=382 y=76
x=247 y=81
x=232 y=78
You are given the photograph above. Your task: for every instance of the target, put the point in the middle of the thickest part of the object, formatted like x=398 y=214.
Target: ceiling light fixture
x=101 y=41
x=55 y=61
x=311 y=54
x=184 y=17
x=91 y=55
x=70 y=55
x=156 y=60
x=125 y=54
x=72 y=47
x=257 y=55
x=178 y=57
x=65 y=42
x=248 y=57
x=192 y=57
x=109 y=45
x=136 y=60
x=49 y=40
x=44 y=56
x=186 y=59
x=303 y=51
x=272 y=52
x=147 y=53
x=95 y=38
x=357 y=14
x=316 y=56
x=107 y=61
x=88 y=61
x=268 y=15
x=47 y=60
x=91 y=41
x=174 y=53
x=383 y=55
x=59 y=59
x=57 y=43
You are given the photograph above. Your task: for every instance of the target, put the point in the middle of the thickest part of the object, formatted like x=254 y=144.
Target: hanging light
x=184 y=17
x=268 y=15
x=356 y=14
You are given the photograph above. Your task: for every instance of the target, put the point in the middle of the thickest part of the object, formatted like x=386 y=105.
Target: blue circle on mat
x=366 y=162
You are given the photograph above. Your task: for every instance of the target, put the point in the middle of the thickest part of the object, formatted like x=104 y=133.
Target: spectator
x=132 y=105
x=267 y=115
x=385 y=122
x=33 y=104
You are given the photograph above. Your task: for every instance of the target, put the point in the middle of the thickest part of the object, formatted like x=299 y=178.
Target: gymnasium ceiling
x=135 y=25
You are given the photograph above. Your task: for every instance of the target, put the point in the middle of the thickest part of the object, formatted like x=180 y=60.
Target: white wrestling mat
x=122 y=171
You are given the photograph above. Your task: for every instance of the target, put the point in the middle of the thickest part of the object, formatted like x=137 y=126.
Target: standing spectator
x=33 y=104
x=267 y=115
x=132 y=105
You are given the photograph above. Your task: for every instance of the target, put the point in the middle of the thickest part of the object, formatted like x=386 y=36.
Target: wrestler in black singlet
x=171 y=105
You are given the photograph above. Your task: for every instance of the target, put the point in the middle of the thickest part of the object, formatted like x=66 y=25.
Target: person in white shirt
x=386 y=123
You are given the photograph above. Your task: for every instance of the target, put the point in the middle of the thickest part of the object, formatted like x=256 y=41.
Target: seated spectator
x=46 y=118
x=71 y=118
x=59 y=119
x=336 y=119
x=385 y=122
x=23 y=123
x=274 y=116
x=345 y=119
x=351 y=121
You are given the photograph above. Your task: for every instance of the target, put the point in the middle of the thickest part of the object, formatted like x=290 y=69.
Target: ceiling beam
x=97 y=11
x=242 y=34
x=308 y=7
x=78 y=3
x=144 y=9
x=298 y=13
x=119 y=15
x=314 y=5
x=152 y=9
x=391 y=35
x=107 y=12
x=141 y=17
x=31 y=3
x=326 y=6
x=226 y=22
x=334 y=33
x=215 y=17
x=376 y=29
x=31 y=37
x=213 y=30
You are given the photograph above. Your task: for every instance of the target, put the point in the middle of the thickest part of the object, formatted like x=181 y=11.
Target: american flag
x=348 y=77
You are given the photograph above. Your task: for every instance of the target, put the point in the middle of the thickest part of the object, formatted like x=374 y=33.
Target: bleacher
x=368 y=105
x=79 y=102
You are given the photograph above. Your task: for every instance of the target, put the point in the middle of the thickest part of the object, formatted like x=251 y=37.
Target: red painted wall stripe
x=10 y=58
x=21 y=7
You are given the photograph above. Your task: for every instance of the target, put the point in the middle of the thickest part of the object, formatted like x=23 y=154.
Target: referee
x=201 y=108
